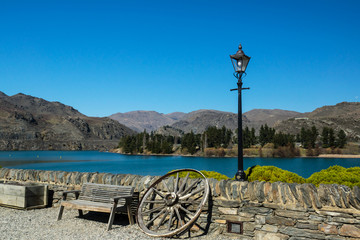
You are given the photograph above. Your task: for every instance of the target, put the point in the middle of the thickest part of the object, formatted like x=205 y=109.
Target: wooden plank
x=14 y=190
x=23 y=196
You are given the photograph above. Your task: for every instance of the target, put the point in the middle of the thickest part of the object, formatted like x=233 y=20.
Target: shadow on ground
x=119 y=220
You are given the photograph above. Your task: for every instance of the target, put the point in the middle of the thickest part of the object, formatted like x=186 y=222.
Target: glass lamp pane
x=245 y=61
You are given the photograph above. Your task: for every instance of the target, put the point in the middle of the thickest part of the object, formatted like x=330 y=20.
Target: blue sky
x=104 y=57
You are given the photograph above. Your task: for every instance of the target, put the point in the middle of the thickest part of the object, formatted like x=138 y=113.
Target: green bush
x=207 y=174
x=336 y=175
x=333 y=175
x=272 y=174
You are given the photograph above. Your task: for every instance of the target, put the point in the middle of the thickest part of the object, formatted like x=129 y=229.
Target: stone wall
x=267 y=210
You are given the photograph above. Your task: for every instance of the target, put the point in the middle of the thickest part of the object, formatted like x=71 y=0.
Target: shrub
x=272 y=174
x=286 y=152
x=252 y=151
x=336 y=175
x=207 y=174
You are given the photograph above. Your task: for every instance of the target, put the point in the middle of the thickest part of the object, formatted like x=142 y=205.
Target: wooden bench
x=100 y=198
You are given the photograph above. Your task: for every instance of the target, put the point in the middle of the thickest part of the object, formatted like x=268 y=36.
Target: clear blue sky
x=104 y=57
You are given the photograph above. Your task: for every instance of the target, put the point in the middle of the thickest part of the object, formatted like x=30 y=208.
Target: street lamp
x=240 y=62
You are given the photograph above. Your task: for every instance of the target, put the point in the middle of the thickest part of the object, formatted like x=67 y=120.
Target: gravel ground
x=41 y=224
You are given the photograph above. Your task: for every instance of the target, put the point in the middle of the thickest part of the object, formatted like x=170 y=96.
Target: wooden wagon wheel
x=172 y=204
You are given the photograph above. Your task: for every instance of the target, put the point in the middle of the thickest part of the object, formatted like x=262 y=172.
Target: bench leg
x=60 y=212
x=131 y=218
x=111 y=219
x=81 y=213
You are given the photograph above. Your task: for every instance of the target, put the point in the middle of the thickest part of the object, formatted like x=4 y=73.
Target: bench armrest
x=65 y=193
x=128 y=198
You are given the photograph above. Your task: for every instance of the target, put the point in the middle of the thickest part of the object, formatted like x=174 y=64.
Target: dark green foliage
x=266 y=135
x=336 y=175
x=282 y=140
x=191 y=142
x=330 y=140
x=308 y=137
x=341 y=139
x=249 y=138
x=325 y=137
x=155 y=143
x=218 y=137
x=272 y=174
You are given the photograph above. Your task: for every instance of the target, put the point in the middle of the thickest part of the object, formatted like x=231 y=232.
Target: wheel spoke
x=184 y=182
x=176 y=182
x=153 y=210
x=162 y=219
x=187 y=211
x=170 y=219
x=189 y=188
x=192 y=193
x=155 y=217
x=178 y=216
x=166 y=186
x=158 y=192
x=192 y=202
x=154 y=201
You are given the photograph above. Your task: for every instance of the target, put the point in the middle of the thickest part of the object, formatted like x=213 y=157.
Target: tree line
x=215 y=137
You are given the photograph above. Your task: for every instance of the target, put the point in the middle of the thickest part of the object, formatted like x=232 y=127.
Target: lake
x=94 y=161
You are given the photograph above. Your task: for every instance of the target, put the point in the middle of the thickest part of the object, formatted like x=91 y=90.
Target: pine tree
x=325 y=137
x=341 y=139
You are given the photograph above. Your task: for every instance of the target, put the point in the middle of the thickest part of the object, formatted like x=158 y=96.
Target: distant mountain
x=199 y=121
x=176 y=115
x=149 y=120
x=258 y=117
x=342 y=116
x=345 y=116
x=30 y=123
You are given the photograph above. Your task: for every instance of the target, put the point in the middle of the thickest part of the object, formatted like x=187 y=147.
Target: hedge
x=333 y=175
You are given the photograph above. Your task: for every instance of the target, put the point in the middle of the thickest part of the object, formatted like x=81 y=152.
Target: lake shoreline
x=189 y=155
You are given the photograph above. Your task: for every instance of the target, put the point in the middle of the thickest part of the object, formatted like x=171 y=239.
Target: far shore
x=189 y=155
x=338 y=156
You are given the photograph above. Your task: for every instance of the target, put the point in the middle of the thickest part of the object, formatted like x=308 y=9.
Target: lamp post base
x=240 y=176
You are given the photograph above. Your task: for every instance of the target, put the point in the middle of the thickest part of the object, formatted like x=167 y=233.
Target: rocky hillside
x=342 y=116
x=197 y=121
x=149 y=120
x=345 y=116
x=30 y=123
x=258 y=117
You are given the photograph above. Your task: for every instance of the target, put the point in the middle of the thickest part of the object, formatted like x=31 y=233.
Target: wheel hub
x=171 y=199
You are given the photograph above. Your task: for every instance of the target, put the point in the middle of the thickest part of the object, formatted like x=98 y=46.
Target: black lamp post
x=240 y=62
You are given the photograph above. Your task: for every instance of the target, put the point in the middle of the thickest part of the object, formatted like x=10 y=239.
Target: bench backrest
x=103 y=192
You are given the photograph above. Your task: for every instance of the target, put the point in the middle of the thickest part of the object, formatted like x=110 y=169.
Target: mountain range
x=343 y=116
x=198 y=121
x=30 y=123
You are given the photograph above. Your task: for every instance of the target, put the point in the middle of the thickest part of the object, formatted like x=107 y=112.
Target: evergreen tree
x=253 y=139
x=266 y=134
x=325 y=137
x=246 y=137
x=341 y=139
x=189 y=142
x=331 y=138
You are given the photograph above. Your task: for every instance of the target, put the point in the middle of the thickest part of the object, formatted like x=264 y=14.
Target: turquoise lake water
x=94 y=161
